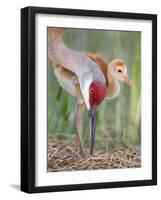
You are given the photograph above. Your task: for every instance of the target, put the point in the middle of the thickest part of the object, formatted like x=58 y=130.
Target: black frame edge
x=24 y=100
x=154 y=99
x=27 y=100
x=93 y=186
x=91 y=13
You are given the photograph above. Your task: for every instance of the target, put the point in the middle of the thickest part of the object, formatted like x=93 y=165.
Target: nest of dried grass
x=63 y=157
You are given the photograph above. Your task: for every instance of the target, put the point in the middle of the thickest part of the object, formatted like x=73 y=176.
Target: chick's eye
x=119 y=70
x=92 y=90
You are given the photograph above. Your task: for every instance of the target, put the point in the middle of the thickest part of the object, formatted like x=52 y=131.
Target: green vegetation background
x=115 y=118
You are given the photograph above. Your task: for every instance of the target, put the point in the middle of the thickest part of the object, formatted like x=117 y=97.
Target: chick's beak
x=92 y=121
x=128 y=80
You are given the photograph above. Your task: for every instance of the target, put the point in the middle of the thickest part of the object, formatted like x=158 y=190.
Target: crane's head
x=94 y=91
x=119 y=71
x=97 y=93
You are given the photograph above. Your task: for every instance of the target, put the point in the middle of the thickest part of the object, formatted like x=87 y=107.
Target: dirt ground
x=62 y=156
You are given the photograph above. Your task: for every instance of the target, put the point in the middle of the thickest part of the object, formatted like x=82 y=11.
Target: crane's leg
x=79 y=127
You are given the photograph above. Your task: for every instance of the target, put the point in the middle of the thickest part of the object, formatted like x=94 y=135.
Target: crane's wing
x=102 y=64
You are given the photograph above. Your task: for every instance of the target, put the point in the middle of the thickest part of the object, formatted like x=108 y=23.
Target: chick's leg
x=79 y=127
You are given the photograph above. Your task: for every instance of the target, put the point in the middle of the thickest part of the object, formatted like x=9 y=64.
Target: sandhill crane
x=86 y=76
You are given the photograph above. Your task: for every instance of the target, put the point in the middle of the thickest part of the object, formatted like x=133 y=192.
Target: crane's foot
x=78 y=156
x=83 y=155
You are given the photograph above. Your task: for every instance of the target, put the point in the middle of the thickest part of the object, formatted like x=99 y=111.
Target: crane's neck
x=70 y=59
x=85 y=69
x=113 y=86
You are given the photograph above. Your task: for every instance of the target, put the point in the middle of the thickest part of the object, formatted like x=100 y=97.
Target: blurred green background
x=116 y=119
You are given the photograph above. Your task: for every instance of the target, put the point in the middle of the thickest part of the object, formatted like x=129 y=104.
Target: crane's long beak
x=128 y=80
x=92 y=121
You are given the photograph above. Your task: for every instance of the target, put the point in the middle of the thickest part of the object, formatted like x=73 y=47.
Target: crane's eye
x=119 y=70
x=92 y=90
